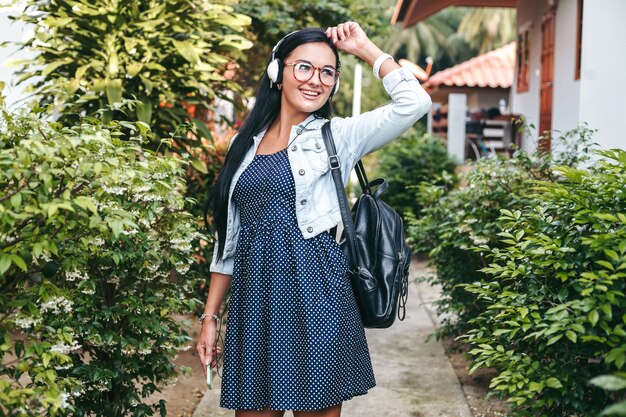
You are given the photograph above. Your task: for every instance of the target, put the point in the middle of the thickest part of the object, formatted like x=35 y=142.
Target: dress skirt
x=294 y=338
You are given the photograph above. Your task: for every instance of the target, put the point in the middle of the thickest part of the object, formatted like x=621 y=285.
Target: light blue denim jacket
x=317 y=208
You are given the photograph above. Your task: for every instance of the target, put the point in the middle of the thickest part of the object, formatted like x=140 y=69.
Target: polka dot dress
x=294 y=338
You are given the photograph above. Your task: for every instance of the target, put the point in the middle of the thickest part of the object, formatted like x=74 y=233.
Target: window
x=523 y=61
x=579 y=39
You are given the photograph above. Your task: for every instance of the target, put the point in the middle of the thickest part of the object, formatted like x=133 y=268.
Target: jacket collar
x=312 y=122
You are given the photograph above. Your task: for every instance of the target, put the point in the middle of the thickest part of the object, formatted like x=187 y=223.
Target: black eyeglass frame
x=319 y=72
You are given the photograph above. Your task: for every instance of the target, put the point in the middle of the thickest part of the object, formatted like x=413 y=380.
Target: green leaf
x=593 y=317
x=571 y=336
x=554 y=339
x=17 y=260
x=199 y=165
x=86 y=203
x=609 y=382
x=523 y=311
x=16 y=201
x=143 y=110
x=553 y=383
x=187 y=50
x=606 y=264
x=114 y=91
x=5 y=262
x=612 y=254
x=606 y=309
x=51 y=67
x=618 y=409
x=202 y=128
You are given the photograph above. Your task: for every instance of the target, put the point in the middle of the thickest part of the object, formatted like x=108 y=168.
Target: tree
x=453 y=35
x=145 y=60
x=487 y=28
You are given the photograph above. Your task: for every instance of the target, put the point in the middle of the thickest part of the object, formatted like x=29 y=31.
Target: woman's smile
x=310 y=94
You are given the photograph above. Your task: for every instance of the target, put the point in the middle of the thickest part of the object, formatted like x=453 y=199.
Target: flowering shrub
x=95 y=255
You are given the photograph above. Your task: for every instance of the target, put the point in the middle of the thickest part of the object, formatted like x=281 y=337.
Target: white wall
x=603 y=71
x=566 y=89
x=529 y=15
x=598 y=97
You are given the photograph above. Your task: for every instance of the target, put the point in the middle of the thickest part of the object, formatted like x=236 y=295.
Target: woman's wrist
x=369 y=53
x=209 y=318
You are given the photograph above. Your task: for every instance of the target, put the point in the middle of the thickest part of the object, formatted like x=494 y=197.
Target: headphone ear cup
x=272 y=70
x=336 y=87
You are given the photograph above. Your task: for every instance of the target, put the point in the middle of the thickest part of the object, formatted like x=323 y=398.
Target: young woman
x=294 y=339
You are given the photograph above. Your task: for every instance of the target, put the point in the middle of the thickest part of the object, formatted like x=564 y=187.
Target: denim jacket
x=317 y=207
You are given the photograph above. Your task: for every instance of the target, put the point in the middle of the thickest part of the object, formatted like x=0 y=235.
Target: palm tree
x=436 y=36
x=487 y=28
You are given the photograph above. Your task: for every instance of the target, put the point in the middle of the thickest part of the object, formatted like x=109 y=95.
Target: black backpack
x=373 y=241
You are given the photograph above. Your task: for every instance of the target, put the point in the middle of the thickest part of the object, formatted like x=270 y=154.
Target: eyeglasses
x=303 y=71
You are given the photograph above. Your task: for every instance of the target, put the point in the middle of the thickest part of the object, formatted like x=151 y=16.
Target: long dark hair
x=266 y=109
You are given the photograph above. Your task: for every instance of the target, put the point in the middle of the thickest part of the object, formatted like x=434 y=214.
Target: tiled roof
x=492 y=69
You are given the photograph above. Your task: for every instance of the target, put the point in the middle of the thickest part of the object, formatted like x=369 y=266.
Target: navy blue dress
x=294 y=338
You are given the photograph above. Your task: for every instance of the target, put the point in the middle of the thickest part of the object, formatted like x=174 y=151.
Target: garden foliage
x=145 y=60
x=95 y=255
x=410 y=161
x=531 y=257
x=453 y=222
x=554 y=312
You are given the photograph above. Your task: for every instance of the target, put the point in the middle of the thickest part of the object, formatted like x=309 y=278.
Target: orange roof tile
x=492 y=69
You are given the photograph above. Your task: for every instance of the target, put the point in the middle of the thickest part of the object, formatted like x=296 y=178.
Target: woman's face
x=307 y=96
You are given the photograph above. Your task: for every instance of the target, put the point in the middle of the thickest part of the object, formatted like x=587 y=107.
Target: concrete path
x=414 y=378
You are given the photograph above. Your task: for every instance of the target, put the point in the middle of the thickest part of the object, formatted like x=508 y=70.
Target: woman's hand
x=207 y=351
x=348 y=37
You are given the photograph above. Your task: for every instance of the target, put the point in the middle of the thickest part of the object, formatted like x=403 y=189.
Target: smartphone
x=208 y=377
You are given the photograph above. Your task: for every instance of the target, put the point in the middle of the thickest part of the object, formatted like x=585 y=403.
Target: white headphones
x=273 y=68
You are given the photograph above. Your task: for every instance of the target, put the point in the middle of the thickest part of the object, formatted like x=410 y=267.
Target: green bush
x=95 y=252
x=554 y=308
x=412 y=160
x=453 y=222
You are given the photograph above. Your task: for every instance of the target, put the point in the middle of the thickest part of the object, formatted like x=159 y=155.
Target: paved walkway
x=414 y=378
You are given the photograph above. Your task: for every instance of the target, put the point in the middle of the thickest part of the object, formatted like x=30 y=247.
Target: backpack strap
x=335 y=169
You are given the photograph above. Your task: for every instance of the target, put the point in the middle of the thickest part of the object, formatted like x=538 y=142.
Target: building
x=570 y=62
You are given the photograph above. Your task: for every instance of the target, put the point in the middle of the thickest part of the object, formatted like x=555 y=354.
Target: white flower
x=113 y=190
x=145 y=351
x=182 y=269
x=64 y=348
x=56 y=305
x=478 y=240
x=72 y=276
x=26 y=322
x=98 y=241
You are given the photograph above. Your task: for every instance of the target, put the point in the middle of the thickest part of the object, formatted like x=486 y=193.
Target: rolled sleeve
x=220 y=265
x=370 y=131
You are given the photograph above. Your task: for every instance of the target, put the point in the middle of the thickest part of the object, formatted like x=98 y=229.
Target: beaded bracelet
x=213 y=316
